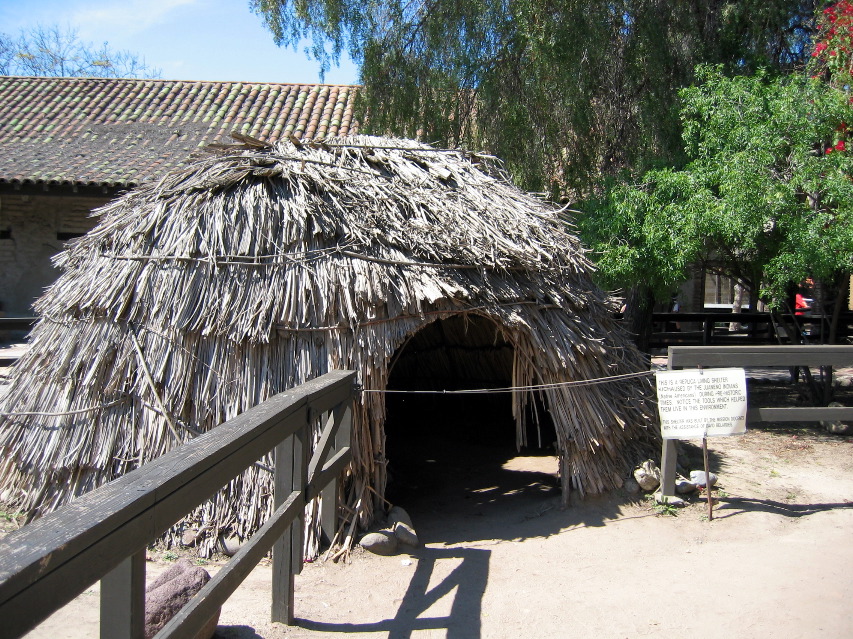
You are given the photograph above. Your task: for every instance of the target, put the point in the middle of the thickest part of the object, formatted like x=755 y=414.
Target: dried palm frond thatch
x=257 y=269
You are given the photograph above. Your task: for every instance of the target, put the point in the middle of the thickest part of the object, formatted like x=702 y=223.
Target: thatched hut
x=258 y=268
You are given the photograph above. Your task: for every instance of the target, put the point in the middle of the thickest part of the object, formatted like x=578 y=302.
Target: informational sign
x=697 y=403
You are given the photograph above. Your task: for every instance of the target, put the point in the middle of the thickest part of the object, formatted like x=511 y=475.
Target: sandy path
x=501 y=560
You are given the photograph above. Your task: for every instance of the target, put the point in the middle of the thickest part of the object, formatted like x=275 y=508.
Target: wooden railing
x=770 y=356
x=711 y=328
x=103 y=534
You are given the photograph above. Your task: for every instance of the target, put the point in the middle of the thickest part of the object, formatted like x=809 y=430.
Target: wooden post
x=668 y=456
x=667 y=470
x=329 y=501
x=123 y=599
x=707 y=479
x=707 y=331
x=291 y=474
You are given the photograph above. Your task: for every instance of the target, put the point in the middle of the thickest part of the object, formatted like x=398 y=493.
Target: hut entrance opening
x=458 y=451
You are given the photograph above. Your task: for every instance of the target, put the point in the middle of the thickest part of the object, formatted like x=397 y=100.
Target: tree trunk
x=639 y=304
x=753 y=294
x=737 y=304
x=842 y=288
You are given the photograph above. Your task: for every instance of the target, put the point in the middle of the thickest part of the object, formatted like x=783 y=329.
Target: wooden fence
x=713 y=328
x=770 y=356
x=104 y=534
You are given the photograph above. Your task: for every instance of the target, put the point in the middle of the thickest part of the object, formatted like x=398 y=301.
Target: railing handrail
x=783 y=355
x=52 y=560
x=758 y=327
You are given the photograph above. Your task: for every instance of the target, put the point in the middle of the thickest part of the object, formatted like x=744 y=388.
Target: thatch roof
x=258 y=269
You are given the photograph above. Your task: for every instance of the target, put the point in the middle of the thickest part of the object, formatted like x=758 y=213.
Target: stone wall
x=34 y=228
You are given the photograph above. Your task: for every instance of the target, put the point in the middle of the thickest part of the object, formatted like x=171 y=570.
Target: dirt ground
x=501 y=559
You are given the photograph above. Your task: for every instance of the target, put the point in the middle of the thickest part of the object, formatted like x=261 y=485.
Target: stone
x=383 y=542
x=698 y=477
x=397 y=514
x=230 y=545
x=837 y=427
x=670 y=500
x=168 y=593
x=631 y=486
x=405 y=534
x=189 y=537
x=648 y=475
x=682 y=487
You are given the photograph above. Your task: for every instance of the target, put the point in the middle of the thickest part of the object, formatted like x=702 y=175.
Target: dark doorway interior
x=458 y=451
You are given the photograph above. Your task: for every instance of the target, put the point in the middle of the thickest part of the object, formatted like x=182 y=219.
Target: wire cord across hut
x=259 y=268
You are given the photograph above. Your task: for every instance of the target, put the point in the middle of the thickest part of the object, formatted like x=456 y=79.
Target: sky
x=186 y=39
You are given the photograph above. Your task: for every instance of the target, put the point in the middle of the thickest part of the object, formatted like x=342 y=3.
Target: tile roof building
x=68 y=145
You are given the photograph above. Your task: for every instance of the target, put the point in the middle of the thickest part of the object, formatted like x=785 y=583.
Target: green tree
x=52 y=51
x=564 y=91
x=767 y=190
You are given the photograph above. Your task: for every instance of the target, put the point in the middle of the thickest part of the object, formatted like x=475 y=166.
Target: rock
x=397 y=514
x=647 y=475
x=170 y=592
x=405 y=534
x=837 y=427
x=670 y=500
x=383 y=542
x=698 y=477
x=682 y=487
x=631 y=486
x=230 y=545
x=189 y=537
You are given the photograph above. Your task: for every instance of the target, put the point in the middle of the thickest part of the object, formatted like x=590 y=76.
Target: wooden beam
x=192 y=617
x=329 y=472
x=291 y=472
x=782 y=356
x=800 y=414
x=329 y=491
x=326 y=443
x=123 y=599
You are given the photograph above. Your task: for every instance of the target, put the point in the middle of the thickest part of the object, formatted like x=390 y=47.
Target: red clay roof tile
x=121 y=132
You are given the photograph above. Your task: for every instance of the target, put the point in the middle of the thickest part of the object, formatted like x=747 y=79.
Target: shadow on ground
x=469 y=580
x=236 y=632
x=732 y=506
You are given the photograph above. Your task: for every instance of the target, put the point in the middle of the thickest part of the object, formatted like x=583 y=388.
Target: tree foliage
x=766 y=191
x=46 y=51
x=565 y=91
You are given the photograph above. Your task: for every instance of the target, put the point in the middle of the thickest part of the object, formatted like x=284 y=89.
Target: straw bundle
x=257 y=269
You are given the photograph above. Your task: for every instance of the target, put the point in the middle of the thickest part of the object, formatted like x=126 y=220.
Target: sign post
x=702 y=403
